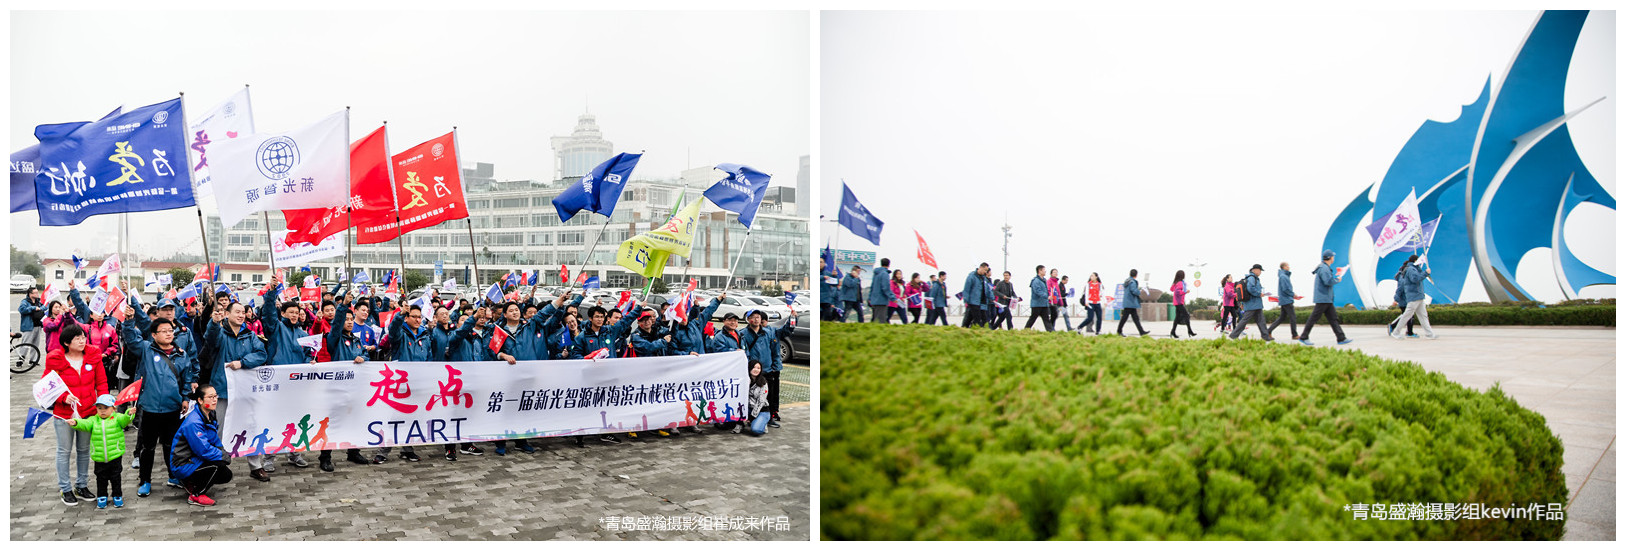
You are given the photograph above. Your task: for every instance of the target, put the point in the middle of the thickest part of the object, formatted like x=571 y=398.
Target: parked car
x=739 y=306
x=796 y=345
x=21 y=283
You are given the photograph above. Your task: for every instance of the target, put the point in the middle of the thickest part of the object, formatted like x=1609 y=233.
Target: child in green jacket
x=106 y=448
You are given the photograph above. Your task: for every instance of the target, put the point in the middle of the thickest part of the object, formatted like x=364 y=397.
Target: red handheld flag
x=130 y=393
x=564 y=274
x=924 y=253
x=498 y=336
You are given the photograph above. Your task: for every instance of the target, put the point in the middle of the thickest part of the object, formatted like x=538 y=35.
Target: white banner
x=305 y=253
x=302 y=169
x=1402 y=223
x=227 y=121
x=342 y=405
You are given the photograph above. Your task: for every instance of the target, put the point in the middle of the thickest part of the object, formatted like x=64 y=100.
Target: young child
x=759 y=402
x=106 y=448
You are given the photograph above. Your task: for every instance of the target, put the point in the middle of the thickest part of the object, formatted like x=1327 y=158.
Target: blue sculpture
x=1491 y=176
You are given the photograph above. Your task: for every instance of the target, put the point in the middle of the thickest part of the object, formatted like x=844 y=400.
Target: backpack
x=1242 y=290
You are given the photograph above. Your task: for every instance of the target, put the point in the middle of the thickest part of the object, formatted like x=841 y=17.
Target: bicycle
x=25 y=356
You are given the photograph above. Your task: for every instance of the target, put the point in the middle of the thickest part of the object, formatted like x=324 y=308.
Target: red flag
x=580 y=278
x=115 y=303
x=169 y=295
x=429 y=188
x=394 y=287
x=685 y=301
x=384 y=318
x=601 y=353
x=130 y=393
x=310 y=294
x=924 y=253
x=625 y=296
x=564 y=274
x=498 y=336
x=370 y=198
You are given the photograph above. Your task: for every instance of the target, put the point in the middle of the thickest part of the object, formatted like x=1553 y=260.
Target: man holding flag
x=1325 y=277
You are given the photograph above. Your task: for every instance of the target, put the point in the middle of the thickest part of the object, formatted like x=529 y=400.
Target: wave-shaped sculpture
x=1494 y=177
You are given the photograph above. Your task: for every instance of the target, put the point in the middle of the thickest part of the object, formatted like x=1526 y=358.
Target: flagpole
x=730 y=283
x=270 y=248
x=457 y=149
x=688 y=261
x=349 y=197
x=400 y=245
x=194 y=182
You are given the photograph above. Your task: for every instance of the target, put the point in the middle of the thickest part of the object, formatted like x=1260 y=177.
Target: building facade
x=577 y=154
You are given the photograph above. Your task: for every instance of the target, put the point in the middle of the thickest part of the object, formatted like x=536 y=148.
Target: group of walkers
x=989 y=303
x=180 y=350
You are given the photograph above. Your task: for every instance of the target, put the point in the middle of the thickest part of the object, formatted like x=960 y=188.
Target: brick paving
x=561 y=493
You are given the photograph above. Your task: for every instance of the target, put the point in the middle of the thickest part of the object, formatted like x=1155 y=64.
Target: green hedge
x=1485 y=314
x=950 y=433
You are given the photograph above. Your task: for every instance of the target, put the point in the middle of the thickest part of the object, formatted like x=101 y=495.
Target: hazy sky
x=713 y=87
x=1151 y=140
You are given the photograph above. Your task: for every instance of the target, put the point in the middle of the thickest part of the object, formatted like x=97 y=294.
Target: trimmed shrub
x=951 y=433
x=1484 y=314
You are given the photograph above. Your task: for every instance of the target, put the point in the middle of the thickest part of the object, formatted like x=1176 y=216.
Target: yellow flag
x=646 y=253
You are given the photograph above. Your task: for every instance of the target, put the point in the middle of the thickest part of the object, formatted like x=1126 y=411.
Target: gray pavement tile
x=1575 y=530
x=1594 y=505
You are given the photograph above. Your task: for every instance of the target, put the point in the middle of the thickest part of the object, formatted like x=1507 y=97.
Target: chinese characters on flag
x=428 y=188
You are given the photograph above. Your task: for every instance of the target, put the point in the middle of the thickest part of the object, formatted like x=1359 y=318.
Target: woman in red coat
x=80 y=366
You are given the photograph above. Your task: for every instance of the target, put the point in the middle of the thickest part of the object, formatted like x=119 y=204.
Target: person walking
x=895 y=302
x=1181 y=316
x=1418 y=307
x=1131 y=306
x=915 y=297
x=1325 y=277
x=880 y=293
x=32 y=317
x=1039 y=292
x=852 y=295
x=1253 y=305
x=1061 y=302
x=1093 y=305
x=1004 y=303
x=1400 y=300
x=1227 y=305
x=1284 y=299
x=829 y=294
x=938 y=295
x=972 y=293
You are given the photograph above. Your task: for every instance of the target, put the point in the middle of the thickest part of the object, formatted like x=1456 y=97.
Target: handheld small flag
x=361 y=276
x=564 y=274
x=789 y=298
x=36 y=419
x=498 y=337
x=494 y=294
x=130 y=393
x=591 y=283
x=534 y=275
x=601 y=353
x=450 y=285
x=79 y=263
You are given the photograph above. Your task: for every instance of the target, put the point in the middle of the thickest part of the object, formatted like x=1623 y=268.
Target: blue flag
x=789 y=298
x=25 y=166
x=361 y=277
x=133 y=162
x=532 y=279
x=223 y=288
x=79 y=263
x=189 y=292
x=37 y=418
x=1422 y=239
x=591 y=283
x=741 y=192
x=856 y=218
x=565 y=340
x=829 y=257
x=468 y=277
x=494 y=294
x=599 y=190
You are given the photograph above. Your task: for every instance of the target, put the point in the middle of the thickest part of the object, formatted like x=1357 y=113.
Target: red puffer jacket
x=87 y=383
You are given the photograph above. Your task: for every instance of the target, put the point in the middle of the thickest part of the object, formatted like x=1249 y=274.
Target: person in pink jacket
x=893 y=303
x=1228 y=314
x=914 y=296
x=61 y=316
x=1180 y=313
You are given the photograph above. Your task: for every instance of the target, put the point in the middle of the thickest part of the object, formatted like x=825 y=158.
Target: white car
x=740 y=305
x=21 y=283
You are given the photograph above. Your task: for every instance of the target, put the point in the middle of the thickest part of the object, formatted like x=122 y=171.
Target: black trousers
x=157 y=430
x=1181 y=317
x=107 y=473
x=208 y=475
x=1093 y=315
x=853 y=307
x=914 y=313
x=1129 y=313
x=827 y=312
x=1292 y=320
x=1323 y=309
x=973 y=316
x=1047 y=314
x=773 y=391
x=1003 y=316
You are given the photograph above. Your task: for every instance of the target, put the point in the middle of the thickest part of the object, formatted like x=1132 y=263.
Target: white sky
x=1126 y=140
x=708 y=86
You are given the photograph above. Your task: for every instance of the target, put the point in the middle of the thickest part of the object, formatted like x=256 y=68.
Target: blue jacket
x=523 y=340
x=1400 y=292
x=691 y=337
x=938 y=294
x=974 y=293
x=197 y=441
x=1131 y=293
x=591 y=341
x=163 y=389
x=828 y=293
x=183 y=332
x=1413 y=282
x=1284 y=287
x=27 y=309
x=1325 y=277
x=763 y=346
x=851 y=289
x=469 y=345
x=1039 y=292
x=723 y=341
x=653 y=345
x=244 y=346
x=1255 y=289
x=342 y=346
x=407 y=345
x=282 y=338
x=880 y=288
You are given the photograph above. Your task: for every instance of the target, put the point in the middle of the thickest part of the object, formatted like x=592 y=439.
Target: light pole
x=1005 y=265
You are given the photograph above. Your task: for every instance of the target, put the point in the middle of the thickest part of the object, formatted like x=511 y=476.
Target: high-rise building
x=804 y=202
x=575 y=155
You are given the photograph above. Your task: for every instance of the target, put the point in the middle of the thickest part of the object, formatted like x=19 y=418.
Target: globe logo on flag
x=230 y=108
x=436 y=150
x=264 y=373
x=160 y=117
x=277 y=156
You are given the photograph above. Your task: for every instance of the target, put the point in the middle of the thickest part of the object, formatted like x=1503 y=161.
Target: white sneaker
x=1431 y=337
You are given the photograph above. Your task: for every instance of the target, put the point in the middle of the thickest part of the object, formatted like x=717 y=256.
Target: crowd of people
x=181 y=349
x=990 y=303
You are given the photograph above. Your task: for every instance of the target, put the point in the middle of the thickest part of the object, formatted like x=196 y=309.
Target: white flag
x=301 y=169
x=450 y=286
x=230 y=120
x=1398 y=229
x=109 y=266
x=98 y=303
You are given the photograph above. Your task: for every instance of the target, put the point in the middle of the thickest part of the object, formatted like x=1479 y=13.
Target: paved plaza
x=561 y=493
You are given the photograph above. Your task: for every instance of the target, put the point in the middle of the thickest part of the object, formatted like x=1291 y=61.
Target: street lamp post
x=1006 y=264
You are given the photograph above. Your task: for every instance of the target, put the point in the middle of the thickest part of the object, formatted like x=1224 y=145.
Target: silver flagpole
x=598 y=238
x=457 y=150
x=194 y=181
